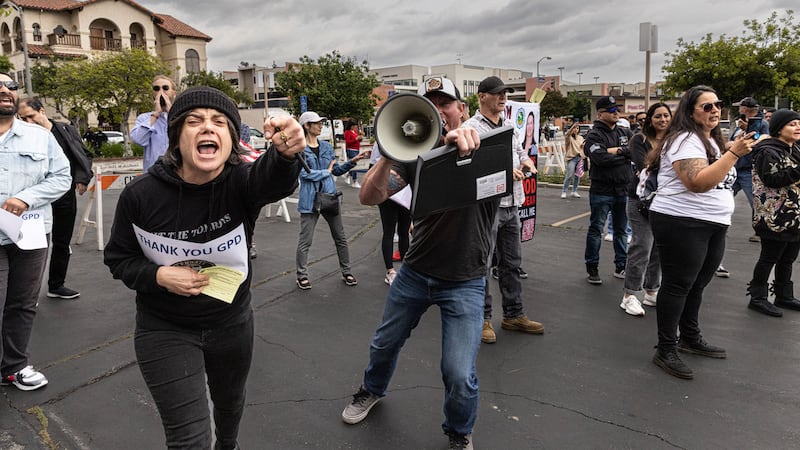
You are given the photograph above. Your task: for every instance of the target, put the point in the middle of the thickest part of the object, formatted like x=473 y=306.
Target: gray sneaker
x=358 y=409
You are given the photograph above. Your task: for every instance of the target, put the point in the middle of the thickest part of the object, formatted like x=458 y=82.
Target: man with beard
x=65 y=209
x=36 y=174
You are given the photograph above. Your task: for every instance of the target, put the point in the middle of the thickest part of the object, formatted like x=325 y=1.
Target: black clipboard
x=444 y=181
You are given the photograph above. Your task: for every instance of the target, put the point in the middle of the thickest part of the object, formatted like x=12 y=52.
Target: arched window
x=37 y=33
x=192 y=61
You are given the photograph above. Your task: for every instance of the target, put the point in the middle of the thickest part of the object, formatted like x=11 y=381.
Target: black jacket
x=776 y=195
x=80 y=162
x=215 y=220
x=609 y=173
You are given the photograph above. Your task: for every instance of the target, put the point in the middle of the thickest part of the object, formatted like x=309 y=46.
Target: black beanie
x=779 y=120
x=205 y=97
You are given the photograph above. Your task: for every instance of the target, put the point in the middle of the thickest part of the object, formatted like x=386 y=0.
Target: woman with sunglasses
x=689 y=216
x=776 y=206
x=642 y=269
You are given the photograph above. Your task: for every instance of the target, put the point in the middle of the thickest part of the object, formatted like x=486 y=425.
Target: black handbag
x=327 y=203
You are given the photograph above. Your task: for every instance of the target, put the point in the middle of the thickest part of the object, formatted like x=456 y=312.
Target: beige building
x=70 y=28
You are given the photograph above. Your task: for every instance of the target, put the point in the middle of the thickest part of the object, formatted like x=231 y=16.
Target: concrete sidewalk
x=588 y=382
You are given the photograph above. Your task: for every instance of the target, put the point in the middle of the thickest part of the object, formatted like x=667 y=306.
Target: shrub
x=109 y=150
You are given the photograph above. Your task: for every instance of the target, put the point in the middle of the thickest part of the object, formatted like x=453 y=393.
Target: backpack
x=646 y=190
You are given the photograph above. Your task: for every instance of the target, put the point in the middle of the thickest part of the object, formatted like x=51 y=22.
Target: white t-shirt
x=715 y=205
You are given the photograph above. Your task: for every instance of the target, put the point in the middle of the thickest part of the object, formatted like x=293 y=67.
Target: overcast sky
x=600 y=39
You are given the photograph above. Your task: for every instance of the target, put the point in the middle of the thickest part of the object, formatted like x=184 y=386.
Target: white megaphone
x=406 y=126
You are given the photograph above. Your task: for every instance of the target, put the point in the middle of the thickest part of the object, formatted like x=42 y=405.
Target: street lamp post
x=28 y=84
x=579 y=77
x=595 y=79
x=561 y=72
x=537 y=65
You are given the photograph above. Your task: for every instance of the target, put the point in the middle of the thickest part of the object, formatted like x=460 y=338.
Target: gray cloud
x=598 y=39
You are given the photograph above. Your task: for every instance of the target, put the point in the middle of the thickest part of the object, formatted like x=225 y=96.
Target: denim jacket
x=319 y=179
x=33 y=168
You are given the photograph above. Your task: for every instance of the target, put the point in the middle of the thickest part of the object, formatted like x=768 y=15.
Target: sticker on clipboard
x=490 y=185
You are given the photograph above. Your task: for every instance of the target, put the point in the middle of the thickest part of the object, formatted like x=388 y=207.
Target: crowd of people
x=199 y=190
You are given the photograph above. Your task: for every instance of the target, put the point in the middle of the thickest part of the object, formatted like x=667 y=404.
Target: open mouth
x=207 y=148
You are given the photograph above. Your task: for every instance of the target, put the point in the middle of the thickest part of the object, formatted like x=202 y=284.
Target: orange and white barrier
x=553 y=156
x=103 y=182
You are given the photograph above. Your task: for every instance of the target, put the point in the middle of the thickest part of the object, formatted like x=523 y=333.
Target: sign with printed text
x=525 y=117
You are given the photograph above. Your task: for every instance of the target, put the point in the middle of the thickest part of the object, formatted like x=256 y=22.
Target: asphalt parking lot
x=587 y=383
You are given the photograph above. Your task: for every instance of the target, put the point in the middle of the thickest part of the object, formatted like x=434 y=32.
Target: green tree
x=472 y=103
x=5 y=64
x=334 y=87
x=218 y=81
x=762 y=62
x=114 y=85
x=554 y=105
x=579 y=106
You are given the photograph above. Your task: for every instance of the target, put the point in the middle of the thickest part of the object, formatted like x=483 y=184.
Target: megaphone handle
x=303 y=162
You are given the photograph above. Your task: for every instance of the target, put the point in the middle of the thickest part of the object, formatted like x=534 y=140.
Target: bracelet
x=734 y=154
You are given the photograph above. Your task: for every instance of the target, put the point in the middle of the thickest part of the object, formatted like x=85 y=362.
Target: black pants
x=394 y=216
x=781 y=255
x=175 y=364
x=690 y=251
x=64 y=211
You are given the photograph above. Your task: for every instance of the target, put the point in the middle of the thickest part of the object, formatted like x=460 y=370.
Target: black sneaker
x=593 y=277
x=357 y=410
x=252 y=252
x=522 y=273
x=701 y=347
x=460 y=441
x=63 y=292
x=672 y=364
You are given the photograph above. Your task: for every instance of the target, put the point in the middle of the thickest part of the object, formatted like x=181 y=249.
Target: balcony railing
x=6 y=47
x=70 y=40
x=102 y=43
x=138 y=43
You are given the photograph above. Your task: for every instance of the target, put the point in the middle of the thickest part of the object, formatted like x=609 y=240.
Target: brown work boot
x=522 y=323
x=487 y=335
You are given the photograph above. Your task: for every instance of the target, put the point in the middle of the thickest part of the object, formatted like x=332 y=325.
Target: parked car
x=114 y=137
x=257 y=140
x=725 y=128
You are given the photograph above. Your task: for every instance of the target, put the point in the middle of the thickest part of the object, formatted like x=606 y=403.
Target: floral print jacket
x=776 y=194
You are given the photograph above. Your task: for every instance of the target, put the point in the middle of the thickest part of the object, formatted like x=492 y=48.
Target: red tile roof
x=168 y=23
x=35 y=50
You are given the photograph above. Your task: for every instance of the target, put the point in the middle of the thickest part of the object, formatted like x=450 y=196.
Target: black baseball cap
x=493 y=85
x=606 y=103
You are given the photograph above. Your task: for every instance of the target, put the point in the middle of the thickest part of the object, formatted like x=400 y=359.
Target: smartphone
x=754 y=124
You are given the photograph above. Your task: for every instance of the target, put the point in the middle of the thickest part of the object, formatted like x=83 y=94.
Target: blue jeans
x=600 y=205
x=461 y=307
x=570 y=176
x=350 y=155
x=744 y=183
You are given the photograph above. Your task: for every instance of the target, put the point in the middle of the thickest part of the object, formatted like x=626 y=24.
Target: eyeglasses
x=11 y=85
x=163 y=88
x=707 y=107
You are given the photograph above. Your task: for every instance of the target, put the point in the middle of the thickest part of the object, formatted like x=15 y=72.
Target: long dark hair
x=173 y=157
x=682 y=122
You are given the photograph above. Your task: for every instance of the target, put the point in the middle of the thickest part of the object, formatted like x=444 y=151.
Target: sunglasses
x=11 y=85
x=707 y=107
x=163 y=88
x=613 y=109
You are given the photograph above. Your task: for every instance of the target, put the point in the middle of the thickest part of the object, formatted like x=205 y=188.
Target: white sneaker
x=563 y=195
x=631 y=305
x=650 y=300
x=356 y=185
x=575 y=194
x=347 y=180
x=26 y=379
x=609 y=237
x=630 y=236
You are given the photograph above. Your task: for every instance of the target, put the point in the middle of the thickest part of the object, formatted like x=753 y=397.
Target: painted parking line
x=570 y=219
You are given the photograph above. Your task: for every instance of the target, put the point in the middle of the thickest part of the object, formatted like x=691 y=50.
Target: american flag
x=579 y=169
x=248 y=153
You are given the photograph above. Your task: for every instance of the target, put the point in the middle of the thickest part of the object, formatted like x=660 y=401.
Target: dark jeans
x=690 y=251
x=175 y=364
x=394 y=217
x=64 y=211
x=21 y=273
x=778 y=254
x=600 y=205
x=505 y=238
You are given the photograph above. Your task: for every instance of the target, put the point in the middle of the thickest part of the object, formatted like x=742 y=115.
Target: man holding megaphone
x=439 y=269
